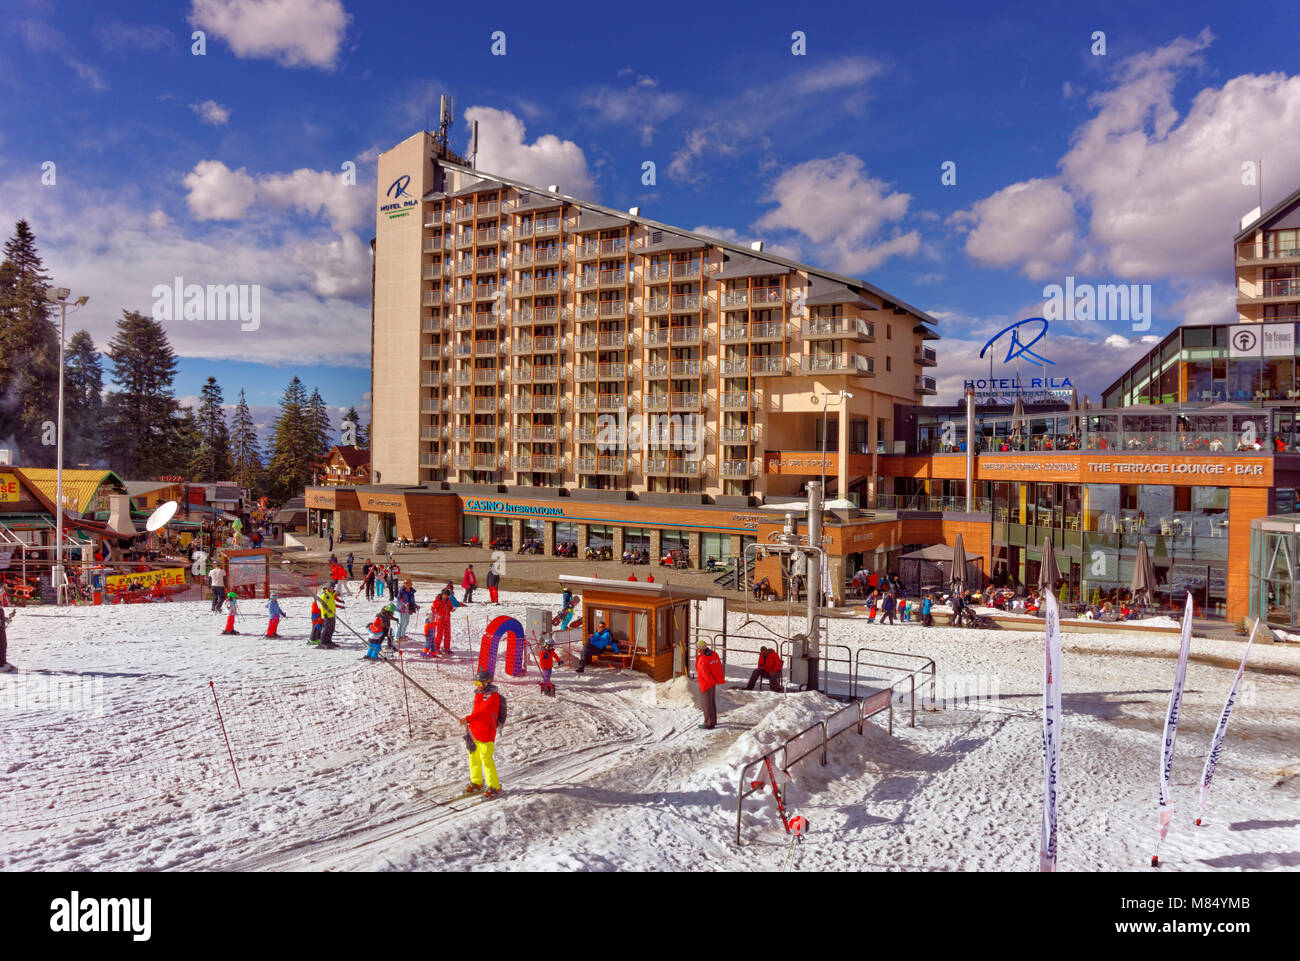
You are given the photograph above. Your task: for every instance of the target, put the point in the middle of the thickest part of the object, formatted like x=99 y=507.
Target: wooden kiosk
x=650 y=621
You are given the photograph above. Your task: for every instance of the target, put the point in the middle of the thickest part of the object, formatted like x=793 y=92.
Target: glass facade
x=1192 y=365
x=1274 y=542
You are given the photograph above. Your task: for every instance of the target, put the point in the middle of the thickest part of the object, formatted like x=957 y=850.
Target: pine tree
x=244 y=450
x=83 y=400
x=144 y=430
x=29 y=349
x=212 y=457
x=363 y=434
x=322 y=426
x=296 y=451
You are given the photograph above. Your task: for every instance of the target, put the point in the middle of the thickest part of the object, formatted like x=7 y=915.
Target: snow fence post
x=229 y=752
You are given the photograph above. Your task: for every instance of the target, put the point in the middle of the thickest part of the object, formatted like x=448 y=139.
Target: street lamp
x=827 y=396
x=60 y=295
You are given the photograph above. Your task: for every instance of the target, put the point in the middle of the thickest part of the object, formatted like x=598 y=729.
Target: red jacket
x=547 y=659
x=442 y=608
x=338 y=573
x=771 y=663
x=469 y=580
x=708 y=669
x=483 y=719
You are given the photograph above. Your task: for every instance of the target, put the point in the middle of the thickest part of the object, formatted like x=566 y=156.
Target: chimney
x=756 y=246
x=554 y=188
x=634 y=211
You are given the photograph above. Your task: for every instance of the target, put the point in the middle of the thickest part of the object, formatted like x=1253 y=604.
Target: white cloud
x=211 y=112
x=158 y=219
x=1144 y=193
x=218 y=193
x=640 y=106
x=1029 y=226
x=797 y=99
x=834 y=203
x=547 y=160
x=729 y=234
x=41 y=38
x=294 y=33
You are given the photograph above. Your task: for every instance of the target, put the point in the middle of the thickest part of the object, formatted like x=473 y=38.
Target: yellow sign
x=168 y=577
x=9 y=489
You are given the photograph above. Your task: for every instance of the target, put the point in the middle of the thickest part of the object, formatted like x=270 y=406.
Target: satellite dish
x=160 y=517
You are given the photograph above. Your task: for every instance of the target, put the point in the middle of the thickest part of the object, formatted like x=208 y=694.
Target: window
x=717 y=546
x=889 y=331
x=889 y=363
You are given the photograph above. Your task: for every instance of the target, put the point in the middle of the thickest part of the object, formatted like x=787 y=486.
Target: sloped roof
x=742 y=265
x=1284 y=206
x=79 y=486
x=351 y=455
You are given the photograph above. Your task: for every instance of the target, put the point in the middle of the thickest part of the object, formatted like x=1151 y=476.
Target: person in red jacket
x=769 y=666
x=469 y=582
x=709 y=673
x=481 y=724
x=547 y=659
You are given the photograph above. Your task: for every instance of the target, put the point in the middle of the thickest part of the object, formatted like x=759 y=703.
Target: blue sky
x=224 y=168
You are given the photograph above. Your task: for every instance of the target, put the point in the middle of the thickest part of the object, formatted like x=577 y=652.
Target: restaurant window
x=674 y=541
x=717 y=546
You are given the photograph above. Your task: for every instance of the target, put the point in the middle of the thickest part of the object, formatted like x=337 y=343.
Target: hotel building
x=517 y=330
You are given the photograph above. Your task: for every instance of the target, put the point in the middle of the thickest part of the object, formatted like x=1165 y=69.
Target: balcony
x=737 y=468
x=462 y=377
x=464 y=239
x=585 y=372
x=737 y=400
x=685 y=270
x=613 y=308
x=546 y=402
x=486 y=377
x=613 y=278
x=546 y=373
x=926 y=385
x=587 y=281
x=546 y=228
x=464 y=349
x=463 y=406
x=588 y=251
x=536 y=315
x=926 y=357
x=463 y=322
x=485 y=237
x=850 y=364
x=735 y=435
x=586 y=311
x=686 y=303
x=431 y=325
x=1268 y=250
x=655 y=467
x=485 y=405
x=431 y=352
x=658 y=335
x=685 y=335
x=768 y=330
x=485 y=264
x=758 y=297
x=754 y=365
x=537 y=285
x=485 y=432
x=684 y=401
x=840 y=328
x=487 y=348
x=537 y=462
x=429 y=460
x=684 y=466
x=612 y=372
x=464 y=267
x=612 y=340
x=685 y=368
x=656 y=305
x=544 y=433
x=464 y=212
x=659 y=272
x=464 y=295
x=654 y=402
x=611 y=401
x=429 y=298
x=485 y=291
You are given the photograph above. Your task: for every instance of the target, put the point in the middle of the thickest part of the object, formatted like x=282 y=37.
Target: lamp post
x=60 y=295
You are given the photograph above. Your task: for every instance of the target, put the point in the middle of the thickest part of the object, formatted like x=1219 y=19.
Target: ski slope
x=613 y=774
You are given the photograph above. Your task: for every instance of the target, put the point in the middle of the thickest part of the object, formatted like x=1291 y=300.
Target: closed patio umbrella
x=1144 y=576
x=1049 y=572
x=1018 y=420
x=957 y=569
x=1074 y=406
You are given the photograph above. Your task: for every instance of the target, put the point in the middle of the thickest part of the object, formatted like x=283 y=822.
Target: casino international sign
x=502 y=507
x=1006 y=390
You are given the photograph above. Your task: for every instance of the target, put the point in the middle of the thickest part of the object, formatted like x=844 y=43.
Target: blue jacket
x=603 y=639
x=889 y=602
x=406 y=596
x=925 y=606
x=273 y=608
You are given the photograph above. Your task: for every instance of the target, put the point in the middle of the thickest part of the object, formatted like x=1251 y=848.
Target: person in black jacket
x=4 y=641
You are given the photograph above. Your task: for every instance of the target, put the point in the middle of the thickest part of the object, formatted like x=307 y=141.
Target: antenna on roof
x=444 y=118
x=473 y=145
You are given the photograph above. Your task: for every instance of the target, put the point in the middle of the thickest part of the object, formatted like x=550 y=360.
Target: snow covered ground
x=112 y=756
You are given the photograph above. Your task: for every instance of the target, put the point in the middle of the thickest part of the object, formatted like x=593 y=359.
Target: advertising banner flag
x=1047 y=852
x=1166 y=814
x=1216 y=745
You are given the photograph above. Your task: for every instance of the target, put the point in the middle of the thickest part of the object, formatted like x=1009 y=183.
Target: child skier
x=375 y=637
x=275 y=613
x=317 y=622
x=547 y=659
x=488 y=715
x=431 y=630
x=871 y=609
x=386 y=616
x=445 y=604
x=232 y=611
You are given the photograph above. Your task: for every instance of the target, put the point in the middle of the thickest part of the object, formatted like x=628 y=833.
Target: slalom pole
x=224 y=735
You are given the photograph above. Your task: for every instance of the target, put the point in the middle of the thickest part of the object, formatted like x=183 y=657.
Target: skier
x=232 y=611
x=769 y=666
x=317 y=622
x=600 y=641
x=709 y=672
x=351 y=561
x=888 y=607
x=375 y=637
x=547 y=659
x=368 y=572
x=381 y=578
x=329 y=605
x=337 y=574
x=217 y=578
x=445 y=604
x=275 y=613
x=469 y=582
x=386 y=615
x=431 y=630
x=4 y=641
x=488 y=715
x=405 y=607
x=927 y=619
x=394 y=572
x=567 y=609
x=494 y=580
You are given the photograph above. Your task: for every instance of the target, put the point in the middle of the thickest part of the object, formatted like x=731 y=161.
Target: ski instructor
x=709 y=672
x=481 y=735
